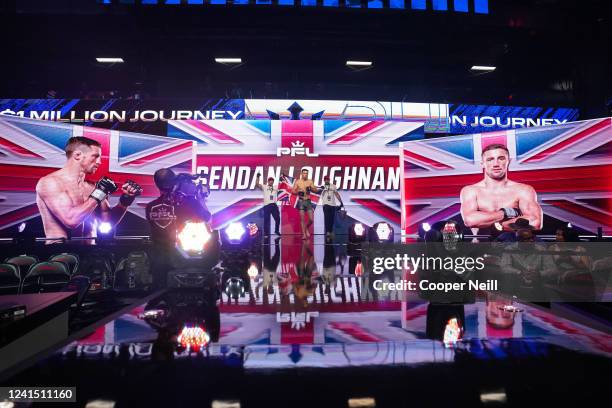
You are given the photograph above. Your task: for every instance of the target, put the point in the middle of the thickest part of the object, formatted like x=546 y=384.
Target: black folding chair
x=72 y=260
x=23 y=263
x=10 y=281
x=49 y=276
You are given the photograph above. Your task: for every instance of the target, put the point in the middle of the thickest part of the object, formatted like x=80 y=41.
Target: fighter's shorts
x=304 y=205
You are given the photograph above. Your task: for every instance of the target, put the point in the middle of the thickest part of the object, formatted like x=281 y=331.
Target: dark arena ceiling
x=547 y=52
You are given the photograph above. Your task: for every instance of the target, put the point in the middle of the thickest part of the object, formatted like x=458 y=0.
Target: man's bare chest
x=494 y=200
x=79 y=193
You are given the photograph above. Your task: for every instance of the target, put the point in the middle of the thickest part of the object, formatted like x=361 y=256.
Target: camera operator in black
x=166 y=214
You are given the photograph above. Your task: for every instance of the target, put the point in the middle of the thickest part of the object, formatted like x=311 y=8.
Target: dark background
x=547 y=52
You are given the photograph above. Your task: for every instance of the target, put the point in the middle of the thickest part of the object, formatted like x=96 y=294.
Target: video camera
x=184 y=186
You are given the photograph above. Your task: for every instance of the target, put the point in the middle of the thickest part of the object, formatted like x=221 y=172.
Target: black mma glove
x=126 y=200
x=104 y=187
x=511 y=213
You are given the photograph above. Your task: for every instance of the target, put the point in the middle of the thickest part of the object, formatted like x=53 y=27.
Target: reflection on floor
x=305 y=333
x=308 y=292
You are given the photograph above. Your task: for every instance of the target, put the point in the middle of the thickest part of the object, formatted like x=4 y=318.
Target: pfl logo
x=298 y=320
x=297 y=148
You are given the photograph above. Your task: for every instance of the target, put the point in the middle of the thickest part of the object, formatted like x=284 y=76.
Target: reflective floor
x=288 y=323
x=309 y=292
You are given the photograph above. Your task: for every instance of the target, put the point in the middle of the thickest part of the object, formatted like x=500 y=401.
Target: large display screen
x=152 y=115
x=32 y=149
x=461 y=6
x=360 y=157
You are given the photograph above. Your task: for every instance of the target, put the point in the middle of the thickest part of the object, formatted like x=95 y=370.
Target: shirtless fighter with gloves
x=69 y=205
x=497 y=201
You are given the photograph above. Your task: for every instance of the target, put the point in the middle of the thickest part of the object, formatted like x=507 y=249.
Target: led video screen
x=552 y=175
x=32 y=149
x=151 y=116
x=360 y=157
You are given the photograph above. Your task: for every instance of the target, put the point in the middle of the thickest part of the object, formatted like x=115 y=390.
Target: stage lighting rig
x=192 y=239
x=357 y=234
x=381 y=232
x=105 y=228
x=235 y=288
x=236 y=235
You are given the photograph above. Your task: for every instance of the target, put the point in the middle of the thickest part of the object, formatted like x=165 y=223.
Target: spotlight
x=497 y=397
x=253 y=271
x=424 y=229
x=236 y=235
x=482 y=68
x=381 y=232
x=225 y=404
x=234 y=288
x=234 y=232
x=105 y=227
x=21 y=227
x=97 y=403
x=192 y=238
x=228 y=60
x=569 y=225
x=452 y=332
x=359 y=63
x=110 y=60
x=357 y=233
x=193 y=338
x=359 y=229
x=362 y=402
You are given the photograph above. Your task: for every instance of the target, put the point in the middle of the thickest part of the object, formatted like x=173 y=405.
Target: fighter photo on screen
x=71 y=206
x=496 y=201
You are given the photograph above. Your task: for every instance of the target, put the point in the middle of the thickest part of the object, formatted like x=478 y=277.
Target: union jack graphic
x=255 y=143
x=284 y=193
x=569 y=166
x=30 y=149
x=253 y=326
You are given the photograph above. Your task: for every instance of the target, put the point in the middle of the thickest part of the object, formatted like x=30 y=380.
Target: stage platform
x=305 y=333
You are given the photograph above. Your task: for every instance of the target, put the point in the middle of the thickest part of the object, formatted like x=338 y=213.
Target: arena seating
x=10 y=280
x=23 y=263
x=70 y=259
x=46 y=277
